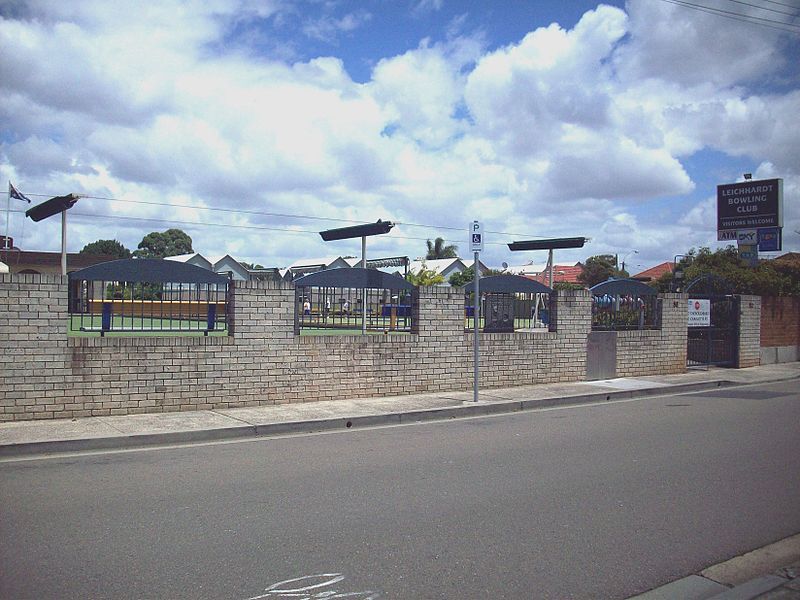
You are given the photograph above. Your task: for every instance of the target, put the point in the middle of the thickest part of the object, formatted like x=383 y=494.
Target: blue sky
x=252 y=125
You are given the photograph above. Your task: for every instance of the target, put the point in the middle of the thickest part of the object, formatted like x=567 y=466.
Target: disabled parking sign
x=476 y=237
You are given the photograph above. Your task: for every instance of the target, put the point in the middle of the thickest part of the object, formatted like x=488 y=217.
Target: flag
x=14 y=193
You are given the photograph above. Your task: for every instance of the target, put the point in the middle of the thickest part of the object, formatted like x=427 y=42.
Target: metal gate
x=718 y=343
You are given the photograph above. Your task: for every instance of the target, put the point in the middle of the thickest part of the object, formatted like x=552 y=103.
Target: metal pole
x=476 y=313
x=6 y=243
x=63 y=242
x=550 y=265
x=364 y=291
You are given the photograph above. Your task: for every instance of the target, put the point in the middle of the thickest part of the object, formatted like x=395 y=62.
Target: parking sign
x=476 y=237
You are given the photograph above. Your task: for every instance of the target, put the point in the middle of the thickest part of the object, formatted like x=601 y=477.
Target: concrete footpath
x=22 y=438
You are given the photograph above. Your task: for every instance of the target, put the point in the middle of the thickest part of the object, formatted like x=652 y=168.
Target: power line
x=234 y=226
x=741 y=17
x=288 y=215
x=775 y=10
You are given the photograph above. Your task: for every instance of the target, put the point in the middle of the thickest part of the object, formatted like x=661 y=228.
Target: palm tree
x=437 y=249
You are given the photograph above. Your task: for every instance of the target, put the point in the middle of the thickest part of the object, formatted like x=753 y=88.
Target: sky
x=254 y=124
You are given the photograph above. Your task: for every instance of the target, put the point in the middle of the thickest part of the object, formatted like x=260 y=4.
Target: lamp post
x=59 y=204
x=359 y=231
x=624 y=258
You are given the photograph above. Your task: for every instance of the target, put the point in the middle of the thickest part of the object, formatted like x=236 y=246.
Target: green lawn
x=141 y=327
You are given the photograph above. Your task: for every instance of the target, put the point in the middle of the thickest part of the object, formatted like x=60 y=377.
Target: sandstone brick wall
x=263 y=362
x=659 y=351
x=749 y=331
x=50 y=375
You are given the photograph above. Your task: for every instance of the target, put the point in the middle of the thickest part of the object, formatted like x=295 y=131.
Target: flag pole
x=6 y=244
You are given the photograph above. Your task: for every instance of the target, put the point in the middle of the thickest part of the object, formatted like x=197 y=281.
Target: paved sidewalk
x=768 y=573
x=93 y=433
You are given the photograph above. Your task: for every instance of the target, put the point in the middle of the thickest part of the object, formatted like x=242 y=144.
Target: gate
x=718 y=343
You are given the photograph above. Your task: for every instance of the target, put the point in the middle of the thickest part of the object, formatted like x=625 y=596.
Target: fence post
x=105 y=324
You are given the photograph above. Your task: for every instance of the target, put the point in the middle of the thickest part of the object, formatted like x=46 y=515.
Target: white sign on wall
x=699 y=312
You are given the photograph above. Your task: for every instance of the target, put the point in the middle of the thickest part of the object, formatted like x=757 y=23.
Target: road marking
x=311 y=588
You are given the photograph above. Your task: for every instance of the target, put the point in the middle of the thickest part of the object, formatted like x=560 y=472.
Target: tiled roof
x=561 y=273
x=654 y=273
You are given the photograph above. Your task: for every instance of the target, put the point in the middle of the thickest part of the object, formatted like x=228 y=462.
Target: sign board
x=750 y=204
x=770 y=239
x=749 y=254
x=726 y=235
x=747 y=237
x=699 y=312
x=476 y=237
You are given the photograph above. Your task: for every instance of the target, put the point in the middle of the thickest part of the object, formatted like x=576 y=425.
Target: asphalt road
x=600 y=501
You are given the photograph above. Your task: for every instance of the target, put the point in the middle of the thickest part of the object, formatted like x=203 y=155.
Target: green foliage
x=598 y=269
x=566 y=286
x=107 y=247
x=251 y=266
x=134 y=291
x=157 y=244
x=769 y=278
x=437 y=249
x=424 y=277
x=462 y=278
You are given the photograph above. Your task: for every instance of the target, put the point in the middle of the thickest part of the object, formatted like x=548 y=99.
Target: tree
x=768 y=278
x=424 y=277
x=598 y=269
x=157 y=244
x=462 y=278
x=107 y=247
x=437 y=249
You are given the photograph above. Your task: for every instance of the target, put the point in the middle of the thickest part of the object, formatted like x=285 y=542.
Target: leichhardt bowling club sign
x=750 y=205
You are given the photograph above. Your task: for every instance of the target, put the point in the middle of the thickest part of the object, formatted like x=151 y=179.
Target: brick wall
x=780 y=329
x=50 y=375
x=656 y=352
x=749 y=331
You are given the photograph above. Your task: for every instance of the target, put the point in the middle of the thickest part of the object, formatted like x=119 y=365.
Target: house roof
x=74 y=260
x=315 y=262
x=439 y=265
x=656 y=272
x=184 y=257
x=789 y=257
x=561 y=274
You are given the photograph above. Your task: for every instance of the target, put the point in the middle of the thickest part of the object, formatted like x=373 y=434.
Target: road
x=599 y=501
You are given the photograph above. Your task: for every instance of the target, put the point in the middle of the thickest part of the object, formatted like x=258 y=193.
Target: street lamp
x=59 y=204
x=624 y=258
x=550 y=245
x=356 y=231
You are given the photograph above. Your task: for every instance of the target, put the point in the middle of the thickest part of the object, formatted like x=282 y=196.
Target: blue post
x=106 y=319
x=211 y=319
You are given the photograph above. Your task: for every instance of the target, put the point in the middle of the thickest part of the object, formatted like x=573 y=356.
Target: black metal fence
x=144 y=296
x=508 y=311
x=629 y=312
x=121 y=306
x=346 y=308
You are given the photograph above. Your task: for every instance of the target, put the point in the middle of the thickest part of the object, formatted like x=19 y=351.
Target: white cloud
x=566 y=132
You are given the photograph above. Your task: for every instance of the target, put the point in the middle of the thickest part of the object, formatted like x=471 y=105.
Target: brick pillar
x=438 y=311
x=33 y=330
x=675 y=328
x=749 y=331
x=262 y=310
x=571 y=319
